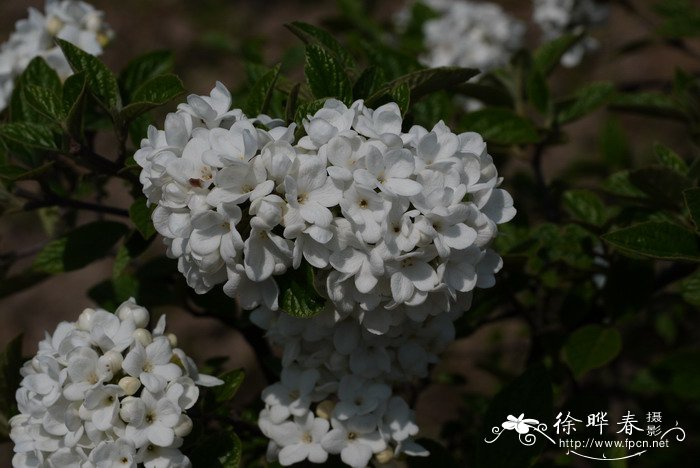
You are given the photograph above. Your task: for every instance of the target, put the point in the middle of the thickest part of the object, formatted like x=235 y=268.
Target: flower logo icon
x=520 y=424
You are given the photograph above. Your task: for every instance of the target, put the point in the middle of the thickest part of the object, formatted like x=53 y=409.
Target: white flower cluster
x=470 y=34
x=396 y=224
x=558 y=17
x=104 y=391
x=74 y=21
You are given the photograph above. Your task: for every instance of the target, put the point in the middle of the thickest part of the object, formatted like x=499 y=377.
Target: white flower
x=359 y=397
x=558 y=17
x=78 y=409
x=71 y=20
x=151 y=364
x=310 y=194
x=119 y=453
x=390 y=173
x=470 y=34
x=354 y=440
x=292 y=395
x=301 y=439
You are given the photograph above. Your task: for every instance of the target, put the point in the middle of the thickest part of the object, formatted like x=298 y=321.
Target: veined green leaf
x=654 y=239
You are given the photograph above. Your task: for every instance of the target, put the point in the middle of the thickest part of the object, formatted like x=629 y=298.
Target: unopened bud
x=54 y=25
x=129 y=310
x=385 y=456
x=143 y=336
x=172 y=339
x=85 y=319
x=130 y=385
x=184 y=426
x=325 y=409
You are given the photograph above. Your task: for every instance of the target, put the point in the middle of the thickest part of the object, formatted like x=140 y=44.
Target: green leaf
x=45 y=101
x=155 y=92
x=298 y=297
x=29 y=135
x=217 y=449
x=661 y=184
x=37 y=73
x=613 y=144
x=489 y=94
x=326 y=76
x=140 y=215
x=548 y=56
x=649 y=103
x=590 y=347
x=144 y=68
x=538 y=91
x=682 y=18
x=427 y=81
x=657 y=240
x=501 y=126
x=10 y=364
x=79 y=247
x=232 y=382
x=670 y=158
x=586 y=100
x=74 y=91
x=260 y=94
x=401 y=95
x=314 y=35
x=292 y=105
x=585 y=206
x=16 y=173
x=692 y=202
x=100 y=80
x=531 y=395
x=690 y=289
x=369 y=82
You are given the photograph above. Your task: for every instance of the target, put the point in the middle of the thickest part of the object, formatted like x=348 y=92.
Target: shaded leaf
x=311 y=34
x=74 y=91
x=501 y=126
x=10 y=364
x=427 y=81
x=79 y=247
x=29 y=135
x=586 y=100
x=232 y=382
x=657 y=240
x=649 y=103
x=153 y=93
x=297 y=294
x=142 y=69
x=548 y=55
x=692 y=202
x=670 y=158
x=369 y=82
x=531 y=395
x=261 y=93
x=590 y=347
x=401 y=95
x=585 y=206
x=100 y=80
x=45 y=101
x=326 y=76
x=661 y=184
x=140 y=215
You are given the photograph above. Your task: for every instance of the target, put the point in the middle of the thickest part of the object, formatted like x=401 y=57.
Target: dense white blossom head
x=105 y=391
x=71 y=20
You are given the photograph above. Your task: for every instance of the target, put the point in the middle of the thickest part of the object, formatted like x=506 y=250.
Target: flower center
x=124 y=460
x=195 y=182
x=397 y=228
x=92 y=378
x=352 y=436
x=407 y=262
x=147 y=366
x=294 y=395
x=301 y=198
x=247 y=188
x=306 y=438
x=363 y=203
x=150 y=418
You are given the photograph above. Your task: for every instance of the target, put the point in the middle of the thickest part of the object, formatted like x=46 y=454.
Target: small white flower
x=151 y=364
x=301 y=439
x=354 y=440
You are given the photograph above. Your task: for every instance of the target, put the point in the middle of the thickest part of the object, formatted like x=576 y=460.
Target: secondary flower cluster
x=558 y=17
x=470 y=34
x=395 y=223
x=105 y=391
x=74 y=21
x=482 y=35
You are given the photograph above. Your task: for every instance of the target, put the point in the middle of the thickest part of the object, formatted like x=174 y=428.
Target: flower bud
x=130 y=385
x=129 y=310
x=54 y=25
x=325 y=409
x=93 y=21
x=132 y=409
x=143 y=336
x=85 y=319
x=36 y=365
x=172 y=339
x=103 y=39
x=184 y=426
x=385 y=456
